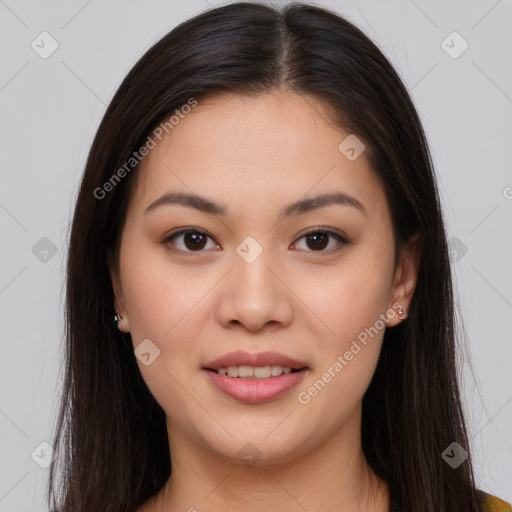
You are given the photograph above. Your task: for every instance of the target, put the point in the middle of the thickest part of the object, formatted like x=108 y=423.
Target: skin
x=256 y=155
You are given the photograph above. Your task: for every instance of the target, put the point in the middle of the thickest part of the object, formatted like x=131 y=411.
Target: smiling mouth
x=254 y=372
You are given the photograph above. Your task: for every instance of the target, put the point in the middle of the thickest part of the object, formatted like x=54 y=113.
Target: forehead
x=273 y=148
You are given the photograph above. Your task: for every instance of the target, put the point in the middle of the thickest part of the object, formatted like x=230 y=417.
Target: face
x=315 y=284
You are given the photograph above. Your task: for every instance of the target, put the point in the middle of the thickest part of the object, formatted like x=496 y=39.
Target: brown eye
x=192 y=240
x=318 y=240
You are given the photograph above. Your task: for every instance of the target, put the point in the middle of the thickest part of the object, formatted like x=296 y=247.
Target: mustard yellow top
x=493 y=504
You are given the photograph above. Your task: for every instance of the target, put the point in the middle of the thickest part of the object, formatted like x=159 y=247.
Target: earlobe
x=406 y=276
x=120 y=317
x=122 y=323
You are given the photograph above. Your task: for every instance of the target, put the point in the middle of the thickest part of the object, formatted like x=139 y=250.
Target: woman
x=260 y=215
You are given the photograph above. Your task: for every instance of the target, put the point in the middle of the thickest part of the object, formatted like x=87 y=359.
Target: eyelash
x=340 y=238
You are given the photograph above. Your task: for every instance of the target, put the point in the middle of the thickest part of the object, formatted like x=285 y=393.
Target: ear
x=119 y=303
x=406 y=276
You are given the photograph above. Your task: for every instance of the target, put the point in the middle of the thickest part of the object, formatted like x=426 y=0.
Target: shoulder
x=493 y=504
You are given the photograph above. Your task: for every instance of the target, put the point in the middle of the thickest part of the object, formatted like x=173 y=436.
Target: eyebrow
x=302 y=206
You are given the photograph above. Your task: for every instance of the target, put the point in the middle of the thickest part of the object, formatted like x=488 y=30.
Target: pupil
x=316 y=240
x=196 y=240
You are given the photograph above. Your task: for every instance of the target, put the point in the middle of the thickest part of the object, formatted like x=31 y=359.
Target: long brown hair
x=111 y=439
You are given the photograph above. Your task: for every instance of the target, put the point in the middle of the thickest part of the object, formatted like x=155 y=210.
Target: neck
x=332 y=477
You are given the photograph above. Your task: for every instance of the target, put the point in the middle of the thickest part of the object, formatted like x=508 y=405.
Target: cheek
x=163 y=302
x=350 y=303
x=159 y=294
x=352 y=296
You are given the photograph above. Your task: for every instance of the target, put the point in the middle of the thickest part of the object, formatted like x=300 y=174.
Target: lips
x=261 y=387
x=255 y=391
x=243 y=358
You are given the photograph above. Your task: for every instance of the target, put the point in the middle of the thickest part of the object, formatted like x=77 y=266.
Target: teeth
x=232 y=371
x=263 y=372
x=254 y=372
x=245 y=372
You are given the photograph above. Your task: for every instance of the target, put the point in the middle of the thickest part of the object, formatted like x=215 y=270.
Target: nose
x=255 y=295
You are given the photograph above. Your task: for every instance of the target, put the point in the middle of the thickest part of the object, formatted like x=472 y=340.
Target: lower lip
x=255 y=391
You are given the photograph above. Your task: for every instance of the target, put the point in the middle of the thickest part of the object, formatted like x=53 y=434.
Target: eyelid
x=339 y=235
x=324 y=229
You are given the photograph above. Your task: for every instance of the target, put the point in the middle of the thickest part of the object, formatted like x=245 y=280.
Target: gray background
x=50 y=109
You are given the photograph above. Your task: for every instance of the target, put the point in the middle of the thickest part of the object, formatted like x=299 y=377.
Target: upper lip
x=240 y=357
